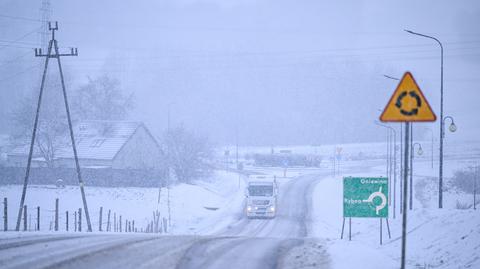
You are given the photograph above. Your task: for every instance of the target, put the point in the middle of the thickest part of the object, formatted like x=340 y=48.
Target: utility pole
x=53 y=52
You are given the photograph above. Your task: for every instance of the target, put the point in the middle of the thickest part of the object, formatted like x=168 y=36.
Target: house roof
x=95 y=140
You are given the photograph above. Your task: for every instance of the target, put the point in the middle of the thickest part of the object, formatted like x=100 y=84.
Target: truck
x=261 y=199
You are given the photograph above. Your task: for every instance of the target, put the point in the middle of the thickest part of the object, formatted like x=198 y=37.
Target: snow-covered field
x=193 y=207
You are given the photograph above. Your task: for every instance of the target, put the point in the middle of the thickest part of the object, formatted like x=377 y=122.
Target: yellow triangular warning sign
x=408 y=104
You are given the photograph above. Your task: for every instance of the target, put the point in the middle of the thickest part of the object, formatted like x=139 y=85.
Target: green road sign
x=365 y=197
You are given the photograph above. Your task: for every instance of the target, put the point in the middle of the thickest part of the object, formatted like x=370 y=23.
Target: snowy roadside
x=446 y=238
x=203 y=205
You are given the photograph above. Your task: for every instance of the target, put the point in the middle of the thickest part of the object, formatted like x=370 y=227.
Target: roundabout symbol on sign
x=413 y=111
x=382 y=196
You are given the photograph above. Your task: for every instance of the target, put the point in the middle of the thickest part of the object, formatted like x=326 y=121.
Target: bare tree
x=52 y=128
x=101 y=99
x=188 y=155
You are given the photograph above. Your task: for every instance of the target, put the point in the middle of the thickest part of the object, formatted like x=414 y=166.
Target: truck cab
x=261 y=199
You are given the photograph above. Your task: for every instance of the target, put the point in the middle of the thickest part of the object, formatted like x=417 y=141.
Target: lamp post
x=419 y=152
x=401 y=155
x=390 y=77
x=475 y=188
x=392 y=130
x=431 y=145
x=440 y=173
x=169 y=171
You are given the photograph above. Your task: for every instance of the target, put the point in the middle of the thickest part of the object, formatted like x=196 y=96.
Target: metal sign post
x=405 y=192
x=407 y=104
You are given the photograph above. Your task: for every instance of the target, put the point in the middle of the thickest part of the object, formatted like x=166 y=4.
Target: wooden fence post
x=38 y=218
x=75 y=220
x=79 y=219
x=115 y=222
x=25 y=217
x=56 y=215
x=5 y=214
x=120 y=224
x=100 y=219
x=66 y=220
x=126 y=225
x=108 y=221
x=133 y=225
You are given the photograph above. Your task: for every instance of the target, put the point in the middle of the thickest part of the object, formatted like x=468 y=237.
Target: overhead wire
x=19 y=73
x=18 y=39
x=14 y=59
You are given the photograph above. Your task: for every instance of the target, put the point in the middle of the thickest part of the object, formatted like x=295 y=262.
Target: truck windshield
x=260 y=190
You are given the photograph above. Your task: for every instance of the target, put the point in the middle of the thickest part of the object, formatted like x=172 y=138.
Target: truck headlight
x=272 y=208
x=249 y=208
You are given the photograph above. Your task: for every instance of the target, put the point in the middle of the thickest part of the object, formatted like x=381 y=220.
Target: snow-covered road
x=264 y=243
x=277 y=243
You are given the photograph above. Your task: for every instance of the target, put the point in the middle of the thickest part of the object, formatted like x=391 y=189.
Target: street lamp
x=392 y=130
x=169 y=171
x=401 y=150
x=419 y=152
x=431 y=144
x=452 y=128
x=440 y=177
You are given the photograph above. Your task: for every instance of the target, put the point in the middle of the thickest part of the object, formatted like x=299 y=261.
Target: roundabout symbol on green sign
x=365 y=197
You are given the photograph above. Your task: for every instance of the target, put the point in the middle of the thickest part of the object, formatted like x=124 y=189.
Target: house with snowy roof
x=101 y=144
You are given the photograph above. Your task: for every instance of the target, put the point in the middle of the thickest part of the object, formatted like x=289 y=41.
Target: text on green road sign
x=365 y=197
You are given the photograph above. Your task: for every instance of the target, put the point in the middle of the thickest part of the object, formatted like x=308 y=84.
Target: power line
x=18 y=39
x=14 y=46
x=19 y=73
x=14 y=59
x=17 y=42
x=19 y=18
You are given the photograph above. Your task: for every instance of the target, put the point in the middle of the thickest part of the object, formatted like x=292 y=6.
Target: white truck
x=261 y=199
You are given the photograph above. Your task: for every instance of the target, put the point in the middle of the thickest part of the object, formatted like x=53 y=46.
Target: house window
x=97 y=143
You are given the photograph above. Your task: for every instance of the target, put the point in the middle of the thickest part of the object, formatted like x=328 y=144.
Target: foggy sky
x=275 y=72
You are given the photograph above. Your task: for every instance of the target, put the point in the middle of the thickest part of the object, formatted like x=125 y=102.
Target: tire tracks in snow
x=57 y=252
x=23 y=243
